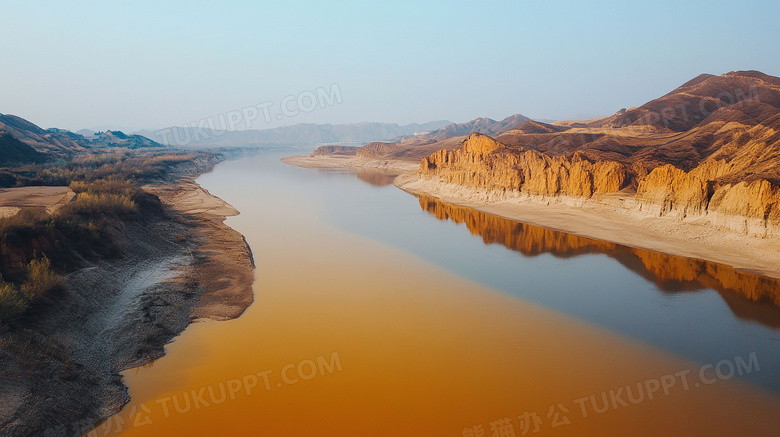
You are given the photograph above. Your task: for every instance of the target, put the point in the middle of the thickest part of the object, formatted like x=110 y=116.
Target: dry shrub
x=97 y=204
x=12 y=303
x=41 y=281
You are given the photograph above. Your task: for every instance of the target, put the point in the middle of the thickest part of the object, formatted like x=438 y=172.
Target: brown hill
x=335 y=150
x=50 y=141
x=747 y=96
x=711 y=146
x=481 y=125
x=734 y=117
x=61 y=143
x=13 y=151
x=536 y=127
x=406 y=150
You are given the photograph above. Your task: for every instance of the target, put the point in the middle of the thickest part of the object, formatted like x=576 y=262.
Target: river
x=378 y=313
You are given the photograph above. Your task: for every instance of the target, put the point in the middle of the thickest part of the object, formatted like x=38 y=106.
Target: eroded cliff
x=486 y=163
x=482 y=162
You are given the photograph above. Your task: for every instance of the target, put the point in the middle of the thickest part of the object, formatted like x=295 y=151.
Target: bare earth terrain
x=225 y=270
x=12 y=200
x=59 y=373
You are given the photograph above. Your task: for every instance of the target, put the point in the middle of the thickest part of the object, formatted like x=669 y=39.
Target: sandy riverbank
x=60 y=371
x=225 y=264
x=604 y=218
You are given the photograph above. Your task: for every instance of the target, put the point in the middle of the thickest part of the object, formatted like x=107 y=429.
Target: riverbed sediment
x=60 y=370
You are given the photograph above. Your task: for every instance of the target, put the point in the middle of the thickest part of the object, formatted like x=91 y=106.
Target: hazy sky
x=139 y=64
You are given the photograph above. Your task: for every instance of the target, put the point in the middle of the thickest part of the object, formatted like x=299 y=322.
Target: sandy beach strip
x=598 y=218
x=601 y=217
x=225 y=267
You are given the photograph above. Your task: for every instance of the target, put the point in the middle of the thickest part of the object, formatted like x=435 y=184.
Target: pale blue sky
x=143 y=64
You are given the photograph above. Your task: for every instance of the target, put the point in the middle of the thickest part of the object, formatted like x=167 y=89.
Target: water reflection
x=424 y=352
x=377 y=178
x=749 y=296
x=372 y=176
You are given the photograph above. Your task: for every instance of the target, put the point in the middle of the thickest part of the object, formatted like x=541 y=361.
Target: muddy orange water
x=350 y=336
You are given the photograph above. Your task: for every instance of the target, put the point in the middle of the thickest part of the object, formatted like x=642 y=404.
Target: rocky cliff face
x=482 y=162
x=752 y=208
x=669 y=190
x=486 y=163
x=708 y=150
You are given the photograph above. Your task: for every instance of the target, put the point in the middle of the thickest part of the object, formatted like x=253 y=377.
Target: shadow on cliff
x=750 y=297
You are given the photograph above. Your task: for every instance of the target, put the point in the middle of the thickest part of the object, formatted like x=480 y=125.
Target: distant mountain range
x=422 y=145
x=304 y=134
x=307 y=134
x=61 y=143
x=25 y=142
x=482 y=125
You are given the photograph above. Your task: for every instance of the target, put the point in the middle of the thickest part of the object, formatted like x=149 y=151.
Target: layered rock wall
x=751 y=208
x=485 y=163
